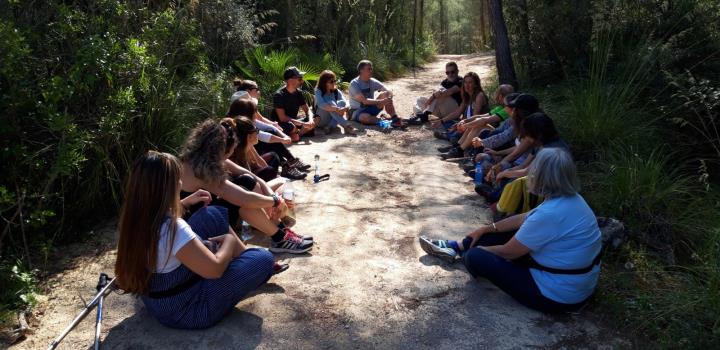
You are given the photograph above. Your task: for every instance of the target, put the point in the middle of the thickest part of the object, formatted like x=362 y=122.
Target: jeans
x=330 y=119
x=510 y=276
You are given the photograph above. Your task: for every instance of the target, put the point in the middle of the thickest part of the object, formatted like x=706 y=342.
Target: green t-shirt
x=500 y=112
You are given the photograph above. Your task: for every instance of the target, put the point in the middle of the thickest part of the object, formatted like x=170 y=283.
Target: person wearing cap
x=365 y=107
x=287 y=102
x=441 y=101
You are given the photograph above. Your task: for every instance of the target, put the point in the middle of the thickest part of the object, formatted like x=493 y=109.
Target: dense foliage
x=635 y=89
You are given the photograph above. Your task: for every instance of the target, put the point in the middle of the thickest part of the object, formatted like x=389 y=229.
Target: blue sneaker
x=438 y=248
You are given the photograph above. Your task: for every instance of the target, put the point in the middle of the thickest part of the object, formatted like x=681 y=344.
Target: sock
x=280 y=234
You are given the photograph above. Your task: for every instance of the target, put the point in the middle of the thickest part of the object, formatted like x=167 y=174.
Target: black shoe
x=455 y=152
x=445 y=149
x=397 y=123
x=424 y=116
x=471 y=173
x=440 y=135
x=468 y=166
x=292 y=173
x=415 y=120
x=483 y=189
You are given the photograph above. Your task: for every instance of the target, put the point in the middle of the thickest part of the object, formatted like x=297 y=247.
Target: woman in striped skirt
x=188 y=274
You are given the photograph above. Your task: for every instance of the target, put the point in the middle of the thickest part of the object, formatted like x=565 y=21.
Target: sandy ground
x=366 y=284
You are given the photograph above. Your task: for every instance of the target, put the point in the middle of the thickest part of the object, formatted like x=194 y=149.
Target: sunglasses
x=332 y=81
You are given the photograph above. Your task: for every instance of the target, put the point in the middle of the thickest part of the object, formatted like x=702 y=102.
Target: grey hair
x=553 y=174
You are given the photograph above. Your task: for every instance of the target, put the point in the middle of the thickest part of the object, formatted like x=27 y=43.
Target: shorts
x=372 y=110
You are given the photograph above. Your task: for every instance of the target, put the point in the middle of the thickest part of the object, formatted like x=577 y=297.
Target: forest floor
x=366 y=284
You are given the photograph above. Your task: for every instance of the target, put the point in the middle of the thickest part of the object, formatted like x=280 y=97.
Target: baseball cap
x=292 y=72
x=523 y=101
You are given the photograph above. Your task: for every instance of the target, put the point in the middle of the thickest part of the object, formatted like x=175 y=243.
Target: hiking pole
x=102 y=283
x=102 y=292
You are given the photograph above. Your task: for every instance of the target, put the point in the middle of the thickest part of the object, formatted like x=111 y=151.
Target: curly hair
x=205 y=147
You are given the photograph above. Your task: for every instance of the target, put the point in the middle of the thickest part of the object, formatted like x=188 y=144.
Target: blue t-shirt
x=562 y=233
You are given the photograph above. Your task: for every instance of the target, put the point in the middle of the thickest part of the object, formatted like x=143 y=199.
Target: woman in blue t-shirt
x=552 y=262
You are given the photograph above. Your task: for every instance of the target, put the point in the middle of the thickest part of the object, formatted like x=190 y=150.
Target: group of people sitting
x=543 y=246
x=179 y=251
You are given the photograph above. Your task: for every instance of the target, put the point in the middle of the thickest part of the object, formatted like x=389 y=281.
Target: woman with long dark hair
x=166 y=260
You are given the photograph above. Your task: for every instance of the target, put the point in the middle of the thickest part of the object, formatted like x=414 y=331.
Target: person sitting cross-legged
x=331 y=104
x=287 y=103
x=552 y=262
x=365 y=106
x=443 y=100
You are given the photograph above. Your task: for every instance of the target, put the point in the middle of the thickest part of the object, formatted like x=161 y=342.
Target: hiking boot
x=290 y=244
x=298 y=164
x=455 y=152
x=440 y=135
x=438 y=248
x=292 y=173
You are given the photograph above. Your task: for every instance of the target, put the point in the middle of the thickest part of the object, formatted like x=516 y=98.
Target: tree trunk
x=421 y=18
x=503 y=56
x=483 y=31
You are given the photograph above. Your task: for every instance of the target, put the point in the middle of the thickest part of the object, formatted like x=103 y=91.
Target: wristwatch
x=276 y=200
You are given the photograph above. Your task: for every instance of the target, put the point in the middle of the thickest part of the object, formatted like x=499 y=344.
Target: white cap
x=244 y=95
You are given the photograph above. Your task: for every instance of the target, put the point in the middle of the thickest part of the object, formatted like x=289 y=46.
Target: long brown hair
x=244 y=84
x=468 y=99
x=242 y=107
x=243 y=128
x=325 y=76
x=204 y=148
x=152 y=195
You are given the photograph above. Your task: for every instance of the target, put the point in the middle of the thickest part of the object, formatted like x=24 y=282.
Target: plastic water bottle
x=479 y=176
x=384 y=124
x=246 y=232
x=316 y=178
x=288 y=195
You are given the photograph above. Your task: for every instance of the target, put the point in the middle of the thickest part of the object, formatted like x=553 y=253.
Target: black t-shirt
x=448 y=84
x=290 y=102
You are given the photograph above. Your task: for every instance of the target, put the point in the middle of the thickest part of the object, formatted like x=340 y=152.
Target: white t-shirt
x=183 y=235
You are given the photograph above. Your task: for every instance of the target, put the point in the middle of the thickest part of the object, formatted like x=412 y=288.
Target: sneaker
x=483 y=189
x=299 y=236
x=447 y=148
x=292 y=173
x=397 y=123
x=440 y=135
x=416 y=120
x=471 y=173
x=290 y=244
x=298 y=164
x=438 y=248
x=455 y=152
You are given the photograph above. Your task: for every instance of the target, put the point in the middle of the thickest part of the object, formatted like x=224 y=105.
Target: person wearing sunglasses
x=441 y=101
x=330 y=104
x=287 y=103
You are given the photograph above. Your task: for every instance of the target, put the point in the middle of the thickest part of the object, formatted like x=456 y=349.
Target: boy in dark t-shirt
x=441 y=101
x=287 y=102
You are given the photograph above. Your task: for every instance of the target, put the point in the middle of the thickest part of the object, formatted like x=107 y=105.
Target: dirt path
x=367 y=283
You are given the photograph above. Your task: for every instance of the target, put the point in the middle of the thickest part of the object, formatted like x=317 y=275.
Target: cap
x=292 y=72
x=523 y=101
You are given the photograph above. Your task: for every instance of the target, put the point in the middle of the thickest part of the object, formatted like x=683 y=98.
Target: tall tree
x=503 y=56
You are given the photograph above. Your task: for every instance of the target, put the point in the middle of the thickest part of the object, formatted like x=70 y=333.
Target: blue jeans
x=330 y=119
x=510 y=276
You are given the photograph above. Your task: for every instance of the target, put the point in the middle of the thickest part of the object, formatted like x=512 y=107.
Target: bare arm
x=518 y=151
x=233 y=168
x=506 y=225
x=203 y=262
x=511 y=250
x=282 y=116
x=455 y=114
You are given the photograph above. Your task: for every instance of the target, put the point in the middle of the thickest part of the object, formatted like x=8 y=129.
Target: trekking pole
x=102 y=292
x=102 y=283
